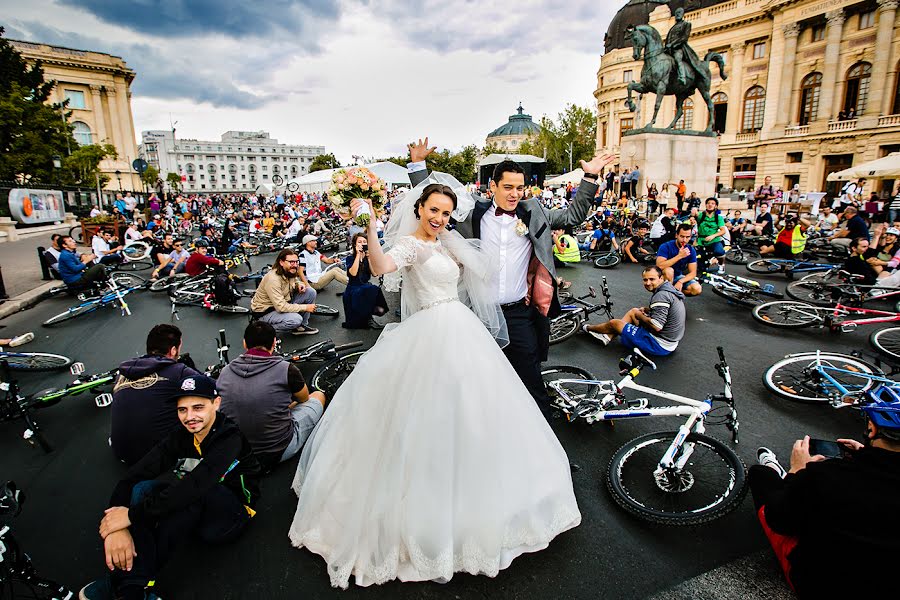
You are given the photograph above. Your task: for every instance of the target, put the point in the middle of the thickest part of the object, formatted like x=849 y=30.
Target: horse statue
x=660 y=75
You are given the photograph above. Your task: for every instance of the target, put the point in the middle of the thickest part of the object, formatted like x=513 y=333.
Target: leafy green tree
x=491 y=149
x=82 y=167
x=32 y=131
x=575 y=129
x=150 y=176
x=324 y=161
x=174 y=180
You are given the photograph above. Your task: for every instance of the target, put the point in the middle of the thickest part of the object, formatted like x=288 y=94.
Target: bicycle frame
x=799 y=266
x=825 y=370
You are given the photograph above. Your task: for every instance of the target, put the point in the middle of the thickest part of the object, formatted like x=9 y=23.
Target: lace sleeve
x=403 y=252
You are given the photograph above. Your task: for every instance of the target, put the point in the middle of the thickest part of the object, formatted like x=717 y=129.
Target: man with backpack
x=711 y=233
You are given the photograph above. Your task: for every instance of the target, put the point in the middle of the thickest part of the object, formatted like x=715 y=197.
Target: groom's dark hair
x=507 y=166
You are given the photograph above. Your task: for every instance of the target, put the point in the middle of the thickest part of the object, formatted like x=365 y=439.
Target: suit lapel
x=477 y=214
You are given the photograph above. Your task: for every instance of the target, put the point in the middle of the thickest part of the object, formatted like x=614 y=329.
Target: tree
x=174 y=180
x=324 y=161
x=461 y=165
x=32 y=132
x=575 y=128
x=150 y=176
x=82 y=167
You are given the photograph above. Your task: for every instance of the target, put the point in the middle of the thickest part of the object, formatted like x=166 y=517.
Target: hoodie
x=257 y=390
x=144 y=404
x=667 y=314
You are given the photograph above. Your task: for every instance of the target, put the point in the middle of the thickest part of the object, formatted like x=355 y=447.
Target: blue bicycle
x=790 y=268
x=113 y=291
x=826 y=377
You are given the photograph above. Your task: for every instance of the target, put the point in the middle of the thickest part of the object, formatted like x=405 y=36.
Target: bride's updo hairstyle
x=434 y=188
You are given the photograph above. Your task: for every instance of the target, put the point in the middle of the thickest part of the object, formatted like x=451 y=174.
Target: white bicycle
x=682 y=477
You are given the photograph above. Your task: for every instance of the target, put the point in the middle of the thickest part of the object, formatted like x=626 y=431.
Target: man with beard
x=282 y=299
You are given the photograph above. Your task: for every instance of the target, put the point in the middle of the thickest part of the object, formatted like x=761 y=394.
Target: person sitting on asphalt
x=160 y=252
x=790 y=241
x=856 y=263
x=17 y=340
x=51 y=255
x=102 y=245
x=655 y=329
x=201 y=480
x=677 y=260
x=764 y=224
x=883 y=248
x=811 y=513
x=283 y=299
x=311 y=271
x=827 y=220
x=854 y=227
x=637 y=245
x=565 y=253
x=268 y=399
x=711 y=231
x=200 y=260
x=663 y=229
x=174 y=262
x=143 y=407
x=735 y=226
x=74 y=269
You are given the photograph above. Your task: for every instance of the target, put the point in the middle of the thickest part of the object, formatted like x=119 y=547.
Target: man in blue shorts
x=655 y=329
x=677 y=261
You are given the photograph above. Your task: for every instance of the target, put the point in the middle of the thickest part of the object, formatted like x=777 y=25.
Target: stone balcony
x=796 y=130
x=839 y=126
x=744 y=138
x=888 y=120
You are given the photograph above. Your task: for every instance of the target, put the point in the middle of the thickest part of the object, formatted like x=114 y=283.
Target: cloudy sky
x=359 y=76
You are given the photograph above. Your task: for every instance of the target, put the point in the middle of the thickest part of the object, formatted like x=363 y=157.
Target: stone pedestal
x=8 y=227
x=670 y=157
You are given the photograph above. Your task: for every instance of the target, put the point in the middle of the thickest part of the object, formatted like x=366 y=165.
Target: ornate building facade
x=509 y=136
x=98 y=87
x=813 y=86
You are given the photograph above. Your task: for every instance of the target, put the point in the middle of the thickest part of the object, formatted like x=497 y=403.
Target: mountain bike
x=739 y=290
x=793 y=314
x=569 y=322
x=824 y=377
x=112 y=293
x=17 y=572
x=790 y=268
x=34 y=361
x=682 y=477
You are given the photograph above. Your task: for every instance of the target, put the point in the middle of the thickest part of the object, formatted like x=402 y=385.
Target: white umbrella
x=886 y=167
x=570 y=177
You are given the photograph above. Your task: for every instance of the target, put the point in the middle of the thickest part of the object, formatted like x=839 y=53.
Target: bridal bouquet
x=356 y=182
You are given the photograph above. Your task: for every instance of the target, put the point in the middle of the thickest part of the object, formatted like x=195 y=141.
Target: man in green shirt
x=711 y=233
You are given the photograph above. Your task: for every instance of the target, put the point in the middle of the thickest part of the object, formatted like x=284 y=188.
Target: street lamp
x=119 y=178
x=57 y=165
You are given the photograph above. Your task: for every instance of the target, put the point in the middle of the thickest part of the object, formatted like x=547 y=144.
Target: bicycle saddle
x=635 y=360
x=11 y=499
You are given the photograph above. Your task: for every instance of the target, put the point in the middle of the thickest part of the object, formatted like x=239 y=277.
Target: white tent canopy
x=493 y=159
x=319 y=181
x=570 y=177
x=886 y=167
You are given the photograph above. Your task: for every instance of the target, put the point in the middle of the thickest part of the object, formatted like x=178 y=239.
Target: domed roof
x=519 y=124
x=637 y=12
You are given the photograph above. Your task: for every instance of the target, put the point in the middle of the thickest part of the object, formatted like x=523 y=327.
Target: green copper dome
x=519 y=124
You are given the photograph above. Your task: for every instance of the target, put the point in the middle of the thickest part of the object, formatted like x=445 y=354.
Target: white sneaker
x=21 y=339
x=767 y=458
x=602 y=337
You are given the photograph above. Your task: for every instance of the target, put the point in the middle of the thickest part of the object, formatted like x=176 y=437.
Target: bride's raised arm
x=379 y=262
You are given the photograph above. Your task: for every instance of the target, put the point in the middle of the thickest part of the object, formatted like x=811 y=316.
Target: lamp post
x=57 y=165
x=119 y=179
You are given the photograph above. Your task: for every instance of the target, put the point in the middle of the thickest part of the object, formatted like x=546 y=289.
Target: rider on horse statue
x=677 y=46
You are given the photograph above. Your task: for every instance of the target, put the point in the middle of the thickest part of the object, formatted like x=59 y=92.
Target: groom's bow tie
x=499 y=211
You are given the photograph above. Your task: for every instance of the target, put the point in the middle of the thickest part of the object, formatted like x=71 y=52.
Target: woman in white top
x=132 y=234
x=664 y=197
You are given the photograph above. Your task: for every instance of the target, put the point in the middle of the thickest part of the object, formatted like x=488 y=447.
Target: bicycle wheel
x=765 y=265
x=76 y=233
x=743 y=296
x=810 y=291
x=887 y=341
x=796 y=377
x=127 y=280
x=136 y=251
x=189 y=295
x=35 y=361
x=164 y=283
x=231 y=308
x=563 y=327
x=326 y=311
x=711 y=484
x=329 y=377
x=788 y=314
x=575 y=391
x=740 y=256
x=607 y=261
x=75 y=311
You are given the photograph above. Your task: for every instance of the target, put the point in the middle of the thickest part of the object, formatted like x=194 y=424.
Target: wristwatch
x=591 y=176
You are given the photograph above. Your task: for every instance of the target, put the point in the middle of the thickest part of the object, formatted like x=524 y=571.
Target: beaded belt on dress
x=441 y=301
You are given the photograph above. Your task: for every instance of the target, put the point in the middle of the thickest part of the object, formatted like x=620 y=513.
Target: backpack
x=224 y=291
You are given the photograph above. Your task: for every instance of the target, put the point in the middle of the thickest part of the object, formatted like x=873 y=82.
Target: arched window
x=687 y=115
x=857 y=90
x=252 y=168
x=754 y=108
x=189 y=168
x=82 y=133
x=720 y=111
x=211 y=168
x=809 y=98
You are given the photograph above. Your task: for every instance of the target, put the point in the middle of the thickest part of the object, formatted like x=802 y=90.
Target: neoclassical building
x=98 y=87
x=813 y=86
x=510 y=135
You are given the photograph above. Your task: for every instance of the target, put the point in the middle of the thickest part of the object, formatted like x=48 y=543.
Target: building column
x=785 y=93
x=124 y=118
x=99 y=119
x=736 y=91
x=829 y=101
x=772 y=82
x=879 y=87
x=114 y=134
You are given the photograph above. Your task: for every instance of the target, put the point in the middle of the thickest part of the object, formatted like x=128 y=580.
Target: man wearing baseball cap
x=201 y=480
x=311 y=271
x=199 y=260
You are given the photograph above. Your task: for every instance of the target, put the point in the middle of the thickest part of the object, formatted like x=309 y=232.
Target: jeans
x=292 y=320
x=338 y=275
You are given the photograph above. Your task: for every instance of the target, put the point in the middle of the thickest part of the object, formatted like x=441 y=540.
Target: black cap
x=198 y=385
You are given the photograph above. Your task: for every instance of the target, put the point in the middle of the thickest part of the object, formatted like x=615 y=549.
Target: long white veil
x=477 y=267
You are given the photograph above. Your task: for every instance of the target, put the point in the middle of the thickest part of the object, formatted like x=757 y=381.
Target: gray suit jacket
x=540 y=221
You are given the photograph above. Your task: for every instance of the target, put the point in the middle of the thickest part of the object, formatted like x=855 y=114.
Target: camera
x=365 y=248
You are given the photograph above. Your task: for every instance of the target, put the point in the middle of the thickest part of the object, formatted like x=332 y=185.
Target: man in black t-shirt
x=764 y=224
x=637 y=245
x=854 y=227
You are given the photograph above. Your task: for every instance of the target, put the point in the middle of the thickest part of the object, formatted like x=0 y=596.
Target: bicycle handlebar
x=721 y=353
x=348 y=346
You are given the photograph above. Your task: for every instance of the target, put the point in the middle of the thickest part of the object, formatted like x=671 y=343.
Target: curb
x=27 y=300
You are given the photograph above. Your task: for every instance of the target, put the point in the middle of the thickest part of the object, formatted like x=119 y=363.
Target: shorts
x=679 y=276
x=784 y=251
x=715 y=248
x=638 y=337
x=304 y=418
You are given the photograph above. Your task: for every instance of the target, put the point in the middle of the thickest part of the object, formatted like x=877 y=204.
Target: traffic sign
x=140 y=165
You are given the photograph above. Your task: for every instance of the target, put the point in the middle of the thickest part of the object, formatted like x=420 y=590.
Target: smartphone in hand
x=826 y=448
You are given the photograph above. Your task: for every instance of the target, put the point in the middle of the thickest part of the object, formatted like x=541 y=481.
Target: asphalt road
x=611 y=555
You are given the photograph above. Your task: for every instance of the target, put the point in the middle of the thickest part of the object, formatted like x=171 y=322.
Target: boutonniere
x=521 y=228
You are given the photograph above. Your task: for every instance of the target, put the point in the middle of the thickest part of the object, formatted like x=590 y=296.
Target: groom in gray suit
x=519 y=230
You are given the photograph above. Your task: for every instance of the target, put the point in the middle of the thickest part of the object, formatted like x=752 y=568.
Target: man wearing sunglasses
x=282 y=299
x=177 y=260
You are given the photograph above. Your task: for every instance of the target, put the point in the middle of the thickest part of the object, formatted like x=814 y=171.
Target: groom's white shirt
x=499 y=238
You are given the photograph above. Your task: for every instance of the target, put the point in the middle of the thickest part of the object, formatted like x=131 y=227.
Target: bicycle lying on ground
x=113 y=291
x=34 y=361
x=824 y=377
x=790 y=268
x=569 y=322
x=679 y=477
x=793 y=314
x=739 y=290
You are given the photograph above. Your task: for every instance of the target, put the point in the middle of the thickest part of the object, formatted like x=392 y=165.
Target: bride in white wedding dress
x=432 y=457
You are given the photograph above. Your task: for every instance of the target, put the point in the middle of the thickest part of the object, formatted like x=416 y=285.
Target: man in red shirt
x=199 y=260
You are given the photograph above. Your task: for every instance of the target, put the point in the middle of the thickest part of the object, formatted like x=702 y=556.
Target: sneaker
x=305 y=330
x=602 y=337
x=721 y=269
x=373 y=324
x=97 y=590
x=767 y=458
x=21 y=339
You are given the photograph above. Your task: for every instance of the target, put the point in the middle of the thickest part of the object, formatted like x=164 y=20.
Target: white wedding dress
x=432 y=458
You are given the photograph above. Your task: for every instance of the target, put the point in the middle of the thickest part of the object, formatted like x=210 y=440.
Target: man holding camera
x=790 y=241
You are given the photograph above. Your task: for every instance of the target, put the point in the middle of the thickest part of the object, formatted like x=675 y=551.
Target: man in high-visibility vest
x=791 y=240
x=565 y=251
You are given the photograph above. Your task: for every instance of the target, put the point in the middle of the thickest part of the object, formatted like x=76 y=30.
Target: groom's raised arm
x=418 y=152
x=576 y=213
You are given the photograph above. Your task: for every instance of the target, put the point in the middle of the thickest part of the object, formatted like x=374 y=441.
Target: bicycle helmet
x=201 y=244
x=884 y=411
